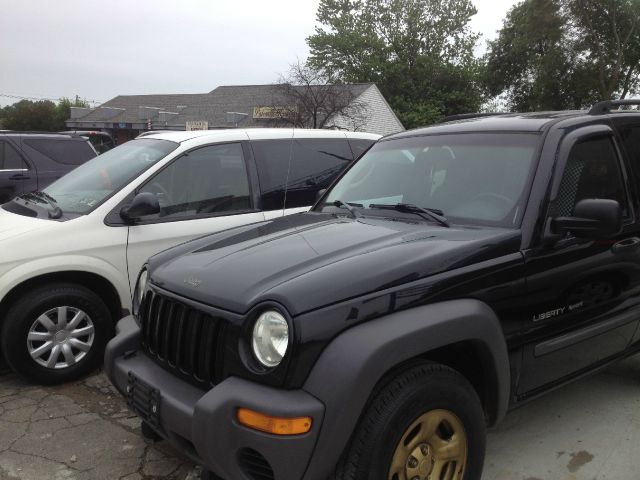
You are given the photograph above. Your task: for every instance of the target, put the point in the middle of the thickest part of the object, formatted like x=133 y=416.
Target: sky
x=98 y=50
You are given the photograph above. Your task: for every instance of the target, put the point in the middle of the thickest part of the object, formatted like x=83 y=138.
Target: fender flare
x=352 y=364
x=66 y=263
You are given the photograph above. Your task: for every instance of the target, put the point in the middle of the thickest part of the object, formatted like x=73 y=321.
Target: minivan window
x=315 y=163
x=206 y=181
x=84 y=188
x=66 y=152
x=471 y=178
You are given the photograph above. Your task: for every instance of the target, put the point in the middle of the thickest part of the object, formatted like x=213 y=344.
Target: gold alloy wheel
x=434 y=447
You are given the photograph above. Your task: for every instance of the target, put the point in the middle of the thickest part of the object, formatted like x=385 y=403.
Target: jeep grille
x=182 y=339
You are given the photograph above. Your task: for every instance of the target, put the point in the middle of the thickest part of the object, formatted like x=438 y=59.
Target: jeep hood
x=310 y=260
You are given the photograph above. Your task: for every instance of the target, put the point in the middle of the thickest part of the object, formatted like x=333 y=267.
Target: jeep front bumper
x=202 y=424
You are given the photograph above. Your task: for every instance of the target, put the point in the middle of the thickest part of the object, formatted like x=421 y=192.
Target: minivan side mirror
x=592 y=218
x=320 y=193
x=145 y=203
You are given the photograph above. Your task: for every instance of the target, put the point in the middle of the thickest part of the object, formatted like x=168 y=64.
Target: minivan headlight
x=270 y=338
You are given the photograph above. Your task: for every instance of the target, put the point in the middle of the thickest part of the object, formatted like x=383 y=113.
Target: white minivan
x=70 y=254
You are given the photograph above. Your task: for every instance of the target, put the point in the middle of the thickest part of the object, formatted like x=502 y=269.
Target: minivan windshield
x=468 y=178
x=84 y=188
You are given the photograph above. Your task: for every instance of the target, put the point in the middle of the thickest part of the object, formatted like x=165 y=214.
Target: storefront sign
x=274 y=112
x=196 y=125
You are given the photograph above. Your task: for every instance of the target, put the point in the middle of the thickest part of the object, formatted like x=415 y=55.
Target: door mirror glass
x=143 y=204
x=592 y=218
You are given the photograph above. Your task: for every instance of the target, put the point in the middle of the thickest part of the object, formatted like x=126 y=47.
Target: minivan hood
x=13 y=225
x=309 y=260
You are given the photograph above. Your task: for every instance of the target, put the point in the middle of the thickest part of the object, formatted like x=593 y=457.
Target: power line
x=20 y=97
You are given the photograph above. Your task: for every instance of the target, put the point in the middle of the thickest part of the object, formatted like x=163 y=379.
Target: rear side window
x=10 y=159
x=304 y=165
x=64 y=151
x=630 y=135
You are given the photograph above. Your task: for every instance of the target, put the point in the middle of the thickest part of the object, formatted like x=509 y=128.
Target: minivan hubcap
x=434 y=447
x=60 y=337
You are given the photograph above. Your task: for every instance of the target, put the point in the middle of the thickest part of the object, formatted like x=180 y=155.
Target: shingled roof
x=243 y=99
x=172 y=111
x=129 y=104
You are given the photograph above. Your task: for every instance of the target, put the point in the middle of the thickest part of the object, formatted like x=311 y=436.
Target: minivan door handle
x=19 y=176
x=626 y=245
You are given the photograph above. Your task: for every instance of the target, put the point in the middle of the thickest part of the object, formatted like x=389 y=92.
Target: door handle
x=626 y=245
x=19 y=176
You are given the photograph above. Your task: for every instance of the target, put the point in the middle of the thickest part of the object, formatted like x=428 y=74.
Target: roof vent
x=109 y=112
x=236 y=117
x=145 y=113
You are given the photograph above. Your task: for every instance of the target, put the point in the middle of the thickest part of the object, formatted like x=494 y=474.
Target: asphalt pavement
x=589 y=430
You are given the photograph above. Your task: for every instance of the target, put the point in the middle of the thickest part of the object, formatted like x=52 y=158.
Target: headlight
x=270 y=338
x=138 y=293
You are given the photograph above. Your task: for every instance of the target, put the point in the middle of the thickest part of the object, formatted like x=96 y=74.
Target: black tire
x=395 y=406
x=23 y=313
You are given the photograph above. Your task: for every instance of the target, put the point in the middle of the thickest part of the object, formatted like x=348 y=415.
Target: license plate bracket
x=144 y=400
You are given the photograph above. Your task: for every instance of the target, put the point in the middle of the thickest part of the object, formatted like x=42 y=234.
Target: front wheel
x=56 y=333
x=426 y=423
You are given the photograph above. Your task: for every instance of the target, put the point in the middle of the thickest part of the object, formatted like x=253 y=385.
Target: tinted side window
x=10 y=159
x=630 y=135
x=64 y=151
x=208 y=180
x=592 y=171
x=314 y=165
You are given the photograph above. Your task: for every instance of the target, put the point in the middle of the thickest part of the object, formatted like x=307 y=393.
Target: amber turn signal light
x=275 y=425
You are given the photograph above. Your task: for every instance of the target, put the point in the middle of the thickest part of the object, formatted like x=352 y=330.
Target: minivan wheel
x=56 y=333
x=425 y=423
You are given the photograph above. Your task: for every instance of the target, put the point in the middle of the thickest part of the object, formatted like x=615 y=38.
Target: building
x=126 y=116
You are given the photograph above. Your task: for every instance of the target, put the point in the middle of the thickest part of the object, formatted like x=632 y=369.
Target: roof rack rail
x=601 y=108
x=464 y=116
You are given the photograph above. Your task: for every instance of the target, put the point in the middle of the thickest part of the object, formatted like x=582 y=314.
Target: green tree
x=418 y=52
x=63 y=110
x=30 y=115
x=607 y=33
x=41 y=115
x=559 y=54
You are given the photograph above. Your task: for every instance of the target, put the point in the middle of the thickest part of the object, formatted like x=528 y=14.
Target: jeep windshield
x=478 y=179
x=87 y=186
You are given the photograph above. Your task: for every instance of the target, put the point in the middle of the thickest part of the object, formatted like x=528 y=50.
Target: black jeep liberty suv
x=450 y=274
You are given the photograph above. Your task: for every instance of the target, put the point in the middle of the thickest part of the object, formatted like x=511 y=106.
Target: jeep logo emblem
x=193 y=281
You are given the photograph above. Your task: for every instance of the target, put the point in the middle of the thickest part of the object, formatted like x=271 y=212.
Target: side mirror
x=592 y=218
x=145 y=203
x=320 y=193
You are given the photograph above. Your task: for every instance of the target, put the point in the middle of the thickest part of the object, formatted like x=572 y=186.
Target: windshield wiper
x=353 y=211
x=55 y=212
x=430 y=213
